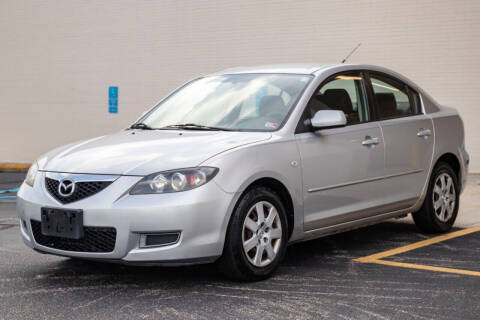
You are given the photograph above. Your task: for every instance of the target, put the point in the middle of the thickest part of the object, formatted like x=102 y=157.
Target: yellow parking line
x=417 y=245
x=429 y=268
x=376 y=258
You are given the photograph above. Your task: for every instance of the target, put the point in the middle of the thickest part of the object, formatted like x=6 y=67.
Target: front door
x=341 y=167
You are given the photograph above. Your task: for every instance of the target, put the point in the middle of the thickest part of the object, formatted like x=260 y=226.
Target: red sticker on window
x=271 y=124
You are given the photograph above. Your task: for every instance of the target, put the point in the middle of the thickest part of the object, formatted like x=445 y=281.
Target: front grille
x=95 y=239
x=82 y=189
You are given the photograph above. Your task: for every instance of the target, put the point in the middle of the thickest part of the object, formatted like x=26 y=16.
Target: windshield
x=230 y=102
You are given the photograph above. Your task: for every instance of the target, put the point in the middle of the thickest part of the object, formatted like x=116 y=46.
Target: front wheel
x=440 y=207
x=256 y=238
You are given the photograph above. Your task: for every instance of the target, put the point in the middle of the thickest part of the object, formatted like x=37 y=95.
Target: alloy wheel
x=444 y=197
x=262 y=234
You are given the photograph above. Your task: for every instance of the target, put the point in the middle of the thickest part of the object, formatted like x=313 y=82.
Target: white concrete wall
x=57 y=58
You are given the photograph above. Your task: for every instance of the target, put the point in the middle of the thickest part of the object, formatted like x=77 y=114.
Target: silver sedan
x=234 y=166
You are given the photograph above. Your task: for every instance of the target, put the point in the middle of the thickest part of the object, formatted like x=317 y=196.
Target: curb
x=14 y=167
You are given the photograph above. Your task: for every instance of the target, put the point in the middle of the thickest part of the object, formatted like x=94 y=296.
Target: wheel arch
x=453 y=161
x=447 y=157
x=426 y=217
x=279 y=188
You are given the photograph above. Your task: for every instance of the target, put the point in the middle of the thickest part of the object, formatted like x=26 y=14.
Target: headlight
x=32 y=172
x=174 y=181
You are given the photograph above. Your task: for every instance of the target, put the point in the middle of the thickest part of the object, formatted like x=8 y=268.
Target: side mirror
x=324 y=119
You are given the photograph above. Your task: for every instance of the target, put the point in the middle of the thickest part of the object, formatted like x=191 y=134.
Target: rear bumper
x=201 y=215
x=464 y=164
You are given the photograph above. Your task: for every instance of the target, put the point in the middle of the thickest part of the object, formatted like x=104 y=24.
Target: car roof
x=318 y=69
x=296 y=68
x=304 y=68
x=315 y=69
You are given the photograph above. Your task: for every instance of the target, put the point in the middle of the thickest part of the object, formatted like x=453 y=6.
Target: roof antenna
x=351 y=52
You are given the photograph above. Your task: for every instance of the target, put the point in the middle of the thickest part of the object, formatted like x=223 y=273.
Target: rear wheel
x=440 y=207
x=256 y=238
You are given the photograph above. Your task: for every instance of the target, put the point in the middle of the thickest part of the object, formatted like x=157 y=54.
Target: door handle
x=424 y=133
x=370 y=142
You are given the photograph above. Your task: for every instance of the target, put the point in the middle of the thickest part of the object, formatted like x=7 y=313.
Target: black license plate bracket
x=64 y=223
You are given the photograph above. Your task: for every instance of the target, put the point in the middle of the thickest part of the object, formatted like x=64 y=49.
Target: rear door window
x=415 y=99
x=392 y=98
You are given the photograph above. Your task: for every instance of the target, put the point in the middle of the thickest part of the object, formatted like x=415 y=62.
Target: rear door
x=408 y=138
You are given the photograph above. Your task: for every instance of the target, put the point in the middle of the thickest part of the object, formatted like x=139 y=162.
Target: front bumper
x=200 y=214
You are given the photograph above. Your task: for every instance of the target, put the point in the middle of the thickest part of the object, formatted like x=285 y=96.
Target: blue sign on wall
x=113 y=99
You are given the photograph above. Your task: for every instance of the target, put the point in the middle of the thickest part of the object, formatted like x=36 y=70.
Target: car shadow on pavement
x=330 y=253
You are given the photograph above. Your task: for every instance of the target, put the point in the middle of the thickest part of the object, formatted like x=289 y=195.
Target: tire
x=438 y=213
x=246 y=254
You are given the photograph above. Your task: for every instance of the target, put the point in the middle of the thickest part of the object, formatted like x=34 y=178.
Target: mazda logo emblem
x=66 y=187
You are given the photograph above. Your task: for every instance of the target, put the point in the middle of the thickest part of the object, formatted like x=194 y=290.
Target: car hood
x=141 y=152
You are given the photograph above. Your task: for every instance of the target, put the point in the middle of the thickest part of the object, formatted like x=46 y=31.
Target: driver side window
x=344 y=92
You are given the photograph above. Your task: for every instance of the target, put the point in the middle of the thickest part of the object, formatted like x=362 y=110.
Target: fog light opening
x=159 y=239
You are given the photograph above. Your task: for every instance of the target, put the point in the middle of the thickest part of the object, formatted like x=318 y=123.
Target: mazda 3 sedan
x=234 y=166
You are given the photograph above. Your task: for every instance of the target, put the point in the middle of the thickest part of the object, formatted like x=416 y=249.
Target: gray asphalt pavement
x=9 y=183
x=318 y=279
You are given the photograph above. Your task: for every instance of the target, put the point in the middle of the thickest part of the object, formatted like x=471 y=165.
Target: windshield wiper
x=193 y=126
x=141 y=125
